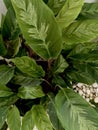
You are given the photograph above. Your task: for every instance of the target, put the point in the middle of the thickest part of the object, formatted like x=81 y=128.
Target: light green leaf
x=3 y=115
x=28 y=121
x=56 y=5
x=6 y=73
x=69 y=12
x=13 y=119
x=60 y=65
x=41 y=118
x=5 y=91
x=28 y=66
x=74 y=112
x=30 y=92
x=89 y=10
x=81 y=31
x=39 y=27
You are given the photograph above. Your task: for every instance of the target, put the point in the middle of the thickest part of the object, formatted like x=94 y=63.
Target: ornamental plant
x=47 y=46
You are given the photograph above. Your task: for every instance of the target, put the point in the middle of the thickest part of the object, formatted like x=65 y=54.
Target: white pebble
x=96 y=100
x=87 y=99
x=81 y=92
x=79 y=85
x=95 y=85
x=88 y=91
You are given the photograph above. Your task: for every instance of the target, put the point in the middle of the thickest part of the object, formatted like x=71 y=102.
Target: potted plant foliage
x=46 y=48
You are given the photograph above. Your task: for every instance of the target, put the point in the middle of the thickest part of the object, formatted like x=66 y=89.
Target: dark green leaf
x=30 y=92
x=2 y=47
x=13 y=119
x=28 y=66
x=56 y=5
x=81 y=31
x=90 y=10
x=6 y=73
x=3 y=115
x=74 y=112
x=5 y=91
x=66 y=15
x=41 y=118
x=60 y=65
x=23 y=80
x=39 y=27
x=28 y=121
x=8 y=3
x=7 y=101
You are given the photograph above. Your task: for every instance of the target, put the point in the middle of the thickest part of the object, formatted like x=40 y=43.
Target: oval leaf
x=13 y=119
x=69 y=12
x=41 y=119
x=30 y=92
x=74 y=112
x=28 y=66
x=6 y=73
x=39 y=27
x=80 y=31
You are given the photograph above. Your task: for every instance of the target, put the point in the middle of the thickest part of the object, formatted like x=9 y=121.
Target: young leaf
x=41 y=118
x=39 y=27
x=30 y=92
x=81 y=31
x=74 y=112
x=60 y=65
x=28 y=121
x=6 y=73
x=90 y=10
x=66 y=15
x=28 y=66
x=3 y=115
x=5 y=91
x=13 y=119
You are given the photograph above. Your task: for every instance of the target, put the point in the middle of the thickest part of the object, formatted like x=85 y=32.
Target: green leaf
x=7 y=101
x=69 y=12
x=23 y=80
x=89 y=10
x=60 y=65
x=6 y=73
x=2 y=47
x=56 y=5
x=8 y=3
x=13 y=119
x=30 y=92
x=9 y=28
x=3 y=115
x=28 y=66
x=5 y=91
x=74 y=112
x=28 y=121
x=52 y=114
x=39 y=27
x=41 y=118
x=81 y=31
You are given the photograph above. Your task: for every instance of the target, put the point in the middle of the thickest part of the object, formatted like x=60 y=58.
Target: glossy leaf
x=66 y=15
x=28 y=66
x=81 y=31
x=3 y=115
x=41 y=118
x=28 y=121
x=60 y=65
x=6 y=73
x=5 y=91
x=74 y=112
x=56 y=5
x=30 y=92
x=40 y=29
x=89 y=10
x=13 y=119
